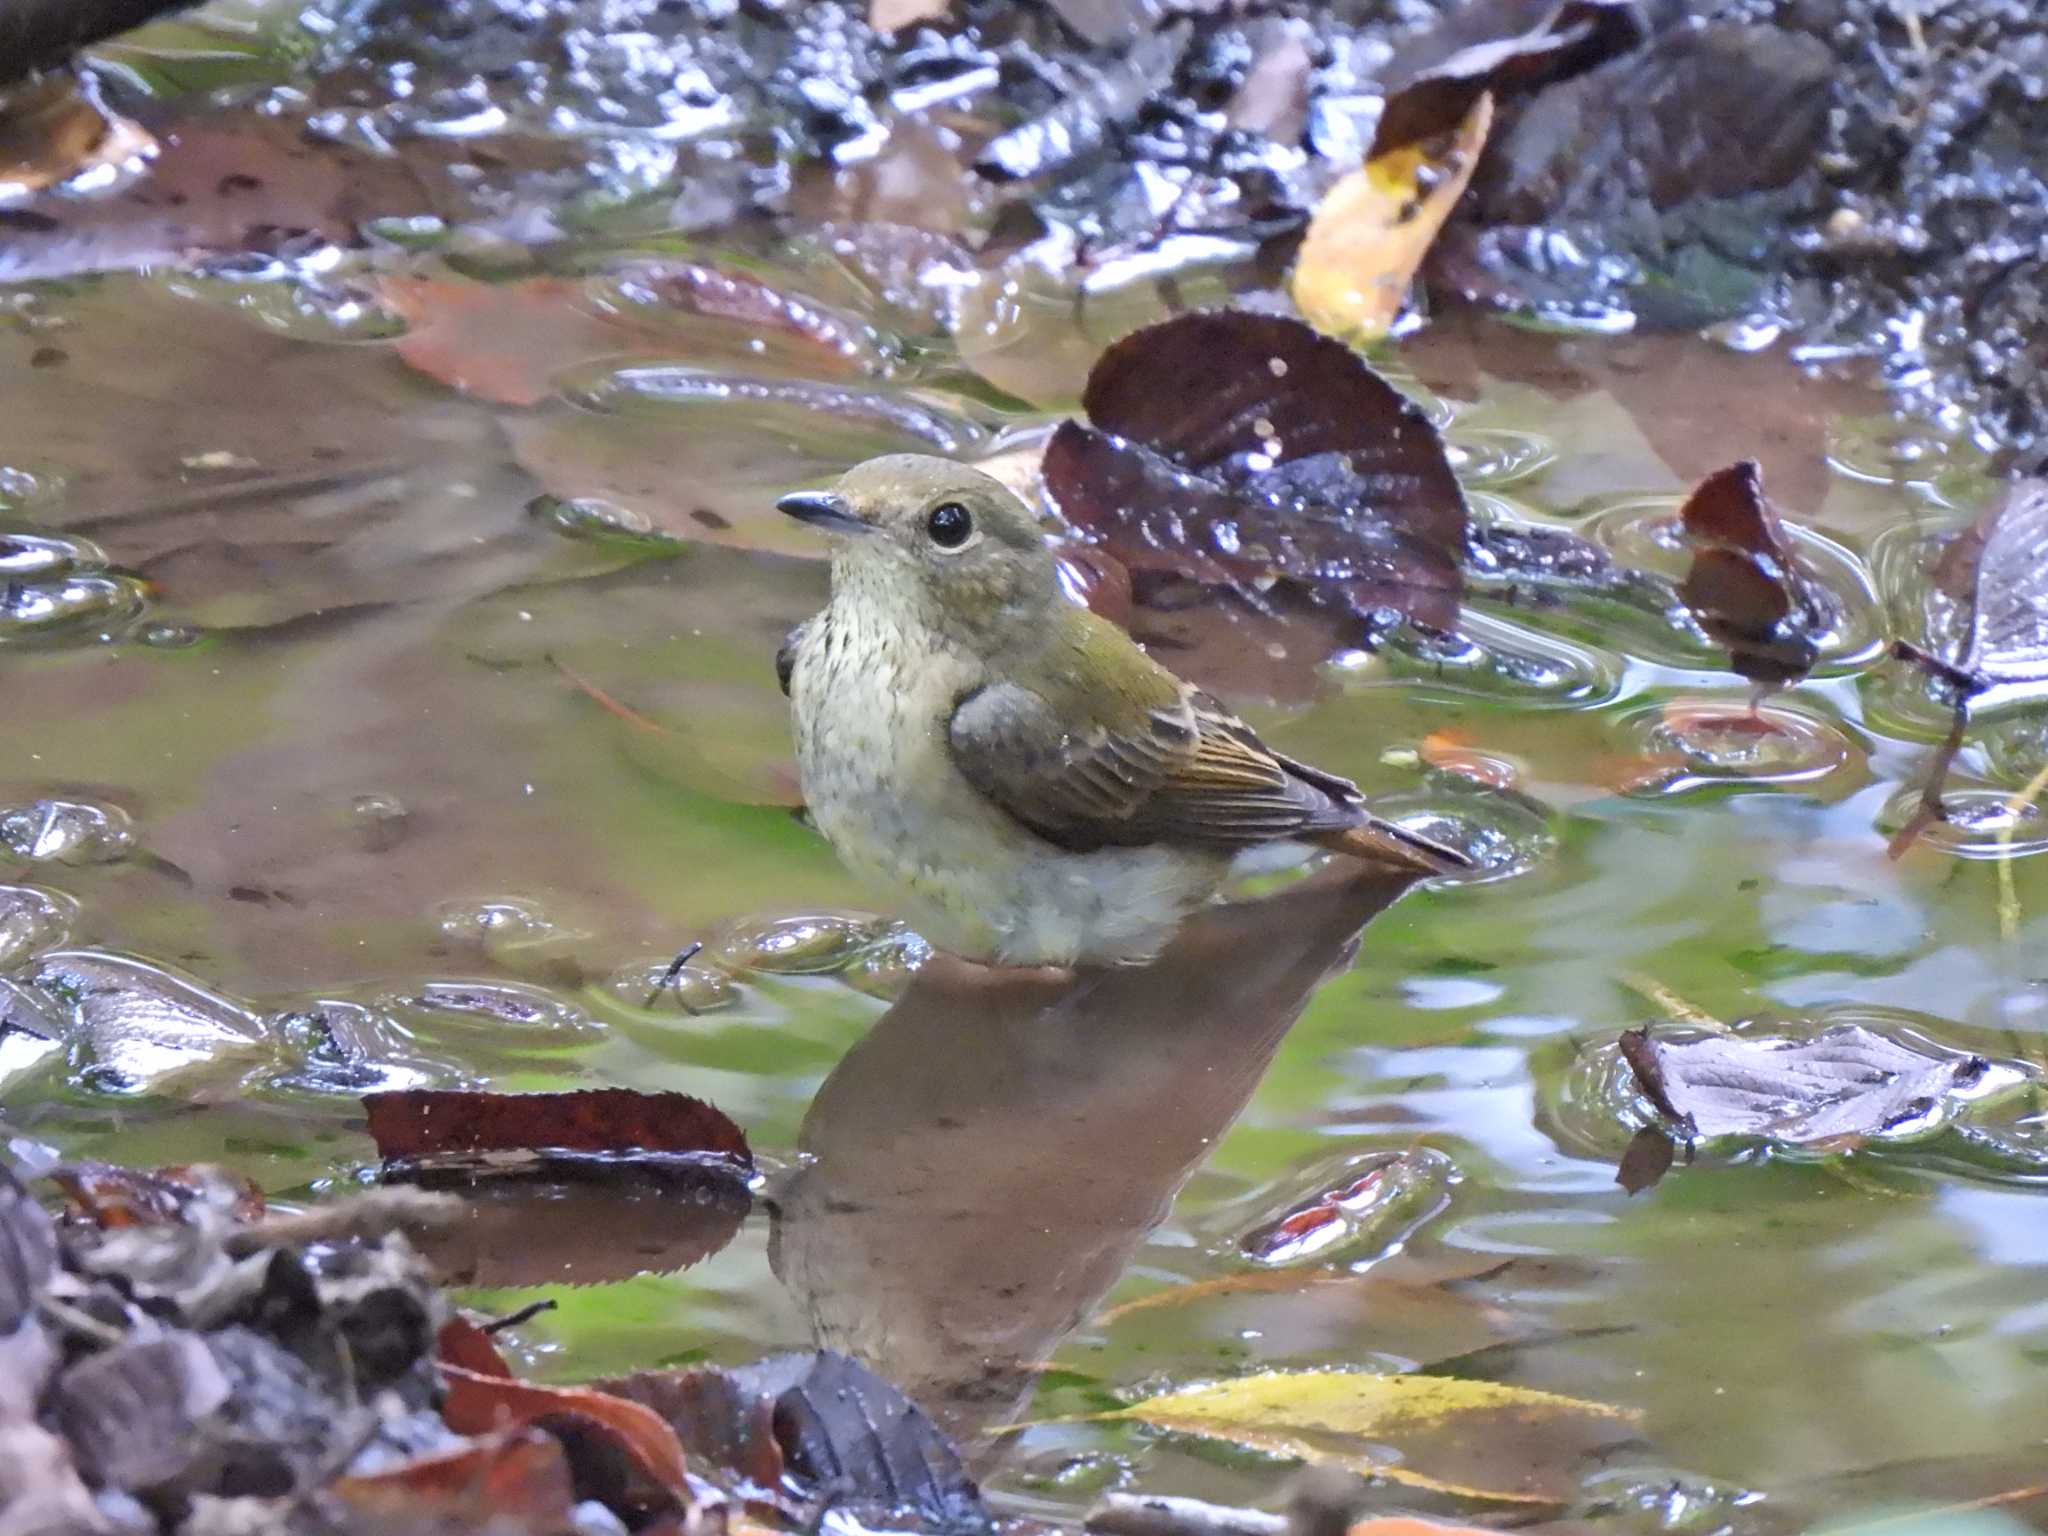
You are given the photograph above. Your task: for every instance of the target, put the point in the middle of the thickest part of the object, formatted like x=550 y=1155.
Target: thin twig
x=2008 y=892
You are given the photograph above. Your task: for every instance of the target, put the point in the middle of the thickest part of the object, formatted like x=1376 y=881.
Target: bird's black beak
x=823 y=509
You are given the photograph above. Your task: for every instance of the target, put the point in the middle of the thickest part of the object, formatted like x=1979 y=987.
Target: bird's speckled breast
x=880 y=782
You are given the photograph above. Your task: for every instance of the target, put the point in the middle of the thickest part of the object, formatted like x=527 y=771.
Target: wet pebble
x=32 y=920
x=1978 y=822
x=66 y=832
x=55 y=588
x=380 y=821
x=595 y=520
x=342 y=1047
x=797 y=946
x=502 y=926
x=132 y=1026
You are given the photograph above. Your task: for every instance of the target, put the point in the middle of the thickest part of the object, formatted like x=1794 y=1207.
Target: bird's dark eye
x=949 y=525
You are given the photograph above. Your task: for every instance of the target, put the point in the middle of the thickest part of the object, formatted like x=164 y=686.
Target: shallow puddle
x=388 y=666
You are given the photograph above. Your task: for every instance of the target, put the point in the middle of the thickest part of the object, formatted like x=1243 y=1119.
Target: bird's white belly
x=880 y=783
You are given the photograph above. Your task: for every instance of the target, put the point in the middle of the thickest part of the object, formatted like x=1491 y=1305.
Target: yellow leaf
x=1479 y=1439
x=1373 y=228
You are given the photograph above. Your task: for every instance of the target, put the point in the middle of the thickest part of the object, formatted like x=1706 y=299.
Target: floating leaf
x=1746 y=585
x=428 y=1123
x=1240 y=450
x=1481 y=1439
x=1996 y=575
x=1372 y=229
x=1846 y=1081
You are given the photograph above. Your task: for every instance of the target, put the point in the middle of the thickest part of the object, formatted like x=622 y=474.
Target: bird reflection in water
x=987 y=1159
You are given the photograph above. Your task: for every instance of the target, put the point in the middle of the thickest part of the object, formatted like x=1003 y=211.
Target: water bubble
x=132 y=1026
x=170 y=637
x=598 y=521
x=1491 y=658
x=344 y=1047
x=1689 y=744
x=1496 y=456
x=797 y=946
x=31 y=920
x=833 y=422
x=1363 y=1208
x=500 y=1009
x=498 y=926
x=1503 y=834
x=647 y=987
x=299 y=296
x=66 y=832
x=883 y=970
x=380 y=821
x=1978 y=822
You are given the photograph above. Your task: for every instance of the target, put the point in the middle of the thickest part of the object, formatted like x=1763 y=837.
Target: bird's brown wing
x=1188 y=774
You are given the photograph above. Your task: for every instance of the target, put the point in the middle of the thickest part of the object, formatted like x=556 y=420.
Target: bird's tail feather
x=1385 y=842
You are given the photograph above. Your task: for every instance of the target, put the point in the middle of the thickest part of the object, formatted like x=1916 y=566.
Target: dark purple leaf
x=1746 y=586
x=428 y=1123
x=1501 y=46
x=1240 y=450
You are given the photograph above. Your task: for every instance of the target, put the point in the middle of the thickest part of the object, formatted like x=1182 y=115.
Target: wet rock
x=66 y=832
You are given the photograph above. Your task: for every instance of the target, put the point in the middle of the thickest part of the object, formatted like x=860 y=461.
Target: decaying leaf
x=477 y=1404
x=1996 y=577
x=1481 y=1439
x=1241 y=451
x=1372 y=229
x=1844 y=1082
x=110 y=1196
x=520 y=1478
x=1496 y=46
x=1746 y=585
x=1646 y=1159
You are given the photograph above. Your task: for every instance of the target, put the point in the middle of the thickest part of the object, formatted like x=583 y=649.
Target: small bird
x=1039 y=789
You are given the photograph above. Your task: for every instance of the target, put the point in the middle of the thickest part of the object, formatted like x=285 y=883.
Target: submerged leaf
x=1746 y=586
x=1846 y=1081
x=520 y=1477
x=1479 y=1438
x=1373 y=228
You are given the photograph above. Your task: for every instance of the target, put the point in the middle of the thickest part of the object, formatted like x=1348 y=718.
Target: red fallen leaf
x=461 y=1343
x=111 y=1196
x=521 y=1478
x=1746 y=585
x=686 y=287
x=478 y=1404
x=1501 y=46
x=1243 y=450
x=428 y=1123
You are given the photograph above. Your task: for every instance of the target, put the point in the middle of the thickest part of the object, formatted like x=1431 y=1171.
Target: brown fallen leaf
x=1371 y=231
x=1645 y=1160
x=520 y=1478
x=426 y=1123
x=477 y=1404
x=500 y=342
x=111 y=1196
x=462 y=1343
x=1746 y=585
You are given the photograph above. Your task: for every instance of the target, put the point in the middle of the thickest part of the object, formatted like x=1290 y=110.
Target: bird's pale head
x=932 y=545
